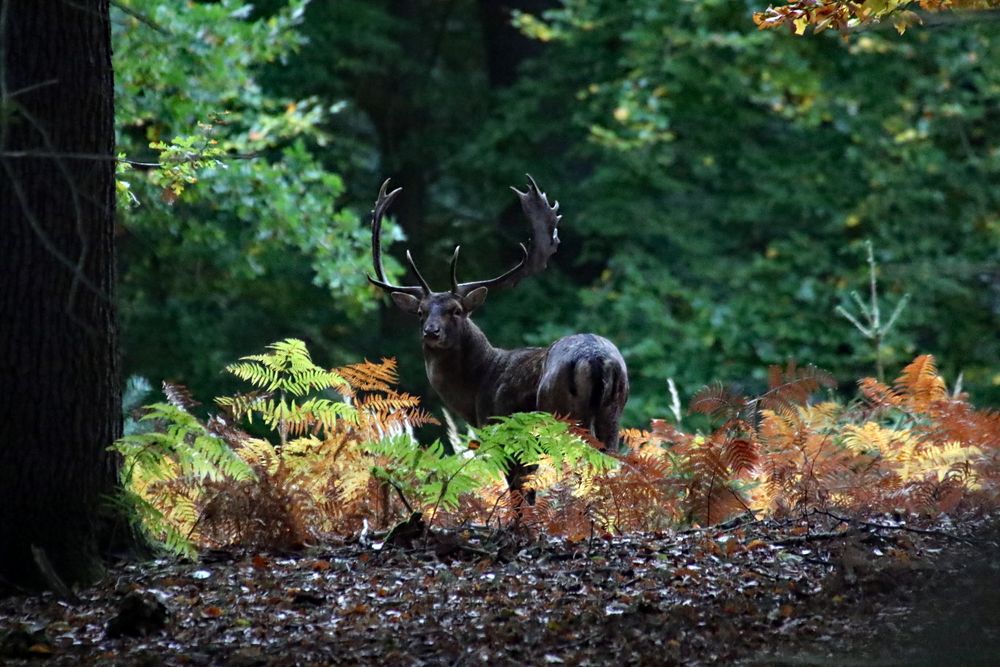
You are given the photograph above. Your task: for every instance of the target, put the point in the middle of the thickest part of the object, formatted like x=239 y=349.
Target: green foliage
x=430 y=478
x=182 y=159
x=531 y=437
x=182 y=443
x=287 y=369
x=165 y=469
x=718 y=182
x=229 y=228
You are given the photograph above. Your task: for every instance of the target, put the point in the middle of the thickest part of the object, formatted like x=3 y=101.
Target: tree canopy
x=719 y=182
x=760 y=221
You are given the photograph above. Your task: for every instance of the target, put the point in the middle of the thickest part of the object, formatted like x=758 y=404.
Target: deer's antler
x=381 y=204
x=544 y=219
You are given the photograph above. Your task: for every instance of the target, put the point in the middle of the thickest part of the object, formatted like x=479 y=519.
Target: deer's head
x=444 y=314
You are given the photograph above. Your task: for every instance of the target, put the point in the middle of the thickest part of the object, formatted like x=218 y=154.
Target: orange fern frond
x=719 y=401
x=792 y=385
x=370 y=376
x=567 y=515
x=878 y=394
x=741 y=455
x=641 y=494
x=710 y=497
x=635 y=438
x=920 y=383
x=956 y=421
x=780 y=430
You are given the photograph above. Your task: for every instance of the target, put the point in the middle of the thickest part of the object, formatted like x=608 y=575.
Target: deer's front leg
x=507 y=400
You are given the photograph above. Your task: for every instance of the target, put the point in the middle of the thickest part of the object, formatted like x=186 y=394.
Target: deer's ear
x=406 y=302
x=474 y=299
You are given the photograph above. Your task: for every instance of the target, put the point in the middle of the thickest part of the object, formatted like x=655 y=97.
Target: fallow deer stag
x=581 y=376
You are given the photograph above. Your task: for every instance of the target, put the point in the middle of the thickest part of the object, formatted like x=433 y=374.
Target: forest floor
x=817 y=590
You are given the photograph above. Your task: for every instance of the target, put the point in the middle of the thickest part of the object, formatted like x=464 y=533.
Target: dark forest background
x=718 y=183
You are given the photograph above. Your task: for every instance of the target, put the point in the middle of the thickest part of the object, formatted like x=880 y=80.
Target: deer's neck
x=458 y=374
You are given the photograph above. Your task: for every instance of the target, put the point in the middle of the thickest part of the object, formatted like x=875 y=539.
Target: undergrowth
x=340 y=455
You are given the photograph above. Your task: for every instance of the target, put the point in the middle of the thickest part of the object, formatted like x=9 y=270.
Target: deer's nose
x=432 y=331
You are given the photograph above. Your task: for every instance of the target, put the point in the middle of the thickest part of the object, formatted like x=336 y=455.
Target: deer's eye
x=421 y=314
x=456 y=311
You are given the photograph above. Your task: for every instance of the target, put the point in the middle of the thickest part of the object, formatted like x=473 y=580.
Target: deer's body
x=581 y=376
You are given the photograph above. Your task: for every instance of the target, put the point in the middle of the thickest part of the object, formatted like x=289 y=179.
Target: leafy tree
x=232 y=237
x=735 y=198
x=719 y=183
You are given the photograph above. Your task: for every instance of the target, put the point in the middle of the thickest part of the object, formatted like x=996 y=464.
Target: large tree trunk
x=506 y=47
x=60 y=393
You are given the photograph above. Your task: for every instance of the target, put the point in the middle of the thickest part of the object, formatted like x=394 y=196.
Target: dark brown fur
x=582 y=376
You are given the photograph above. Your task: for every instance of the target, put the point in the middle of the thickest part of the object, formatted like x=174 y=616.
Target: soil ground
x=816 y=590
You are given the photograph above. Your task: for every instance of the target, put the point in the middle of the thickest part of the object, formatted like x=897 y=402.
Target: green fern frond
x=531 y=437
x=154 y=524
x=434 y=480
x=288 y=368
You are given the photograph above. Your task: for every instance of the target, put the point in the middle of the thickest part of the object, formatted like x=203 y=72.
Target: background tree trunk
x=61 y=395
x=506 y=48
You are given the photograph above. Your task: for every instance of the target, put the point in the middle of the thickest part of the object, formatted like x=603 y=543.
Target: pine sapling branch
x=873 y=328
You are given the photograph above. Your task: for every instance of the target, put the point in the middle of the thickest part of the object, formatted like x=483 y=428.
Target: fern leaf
x=793 y=385
x=878 y=394
x=370 y=376
x=179 y=396
x=741 y=455
x=920 y=383
x=719 y=401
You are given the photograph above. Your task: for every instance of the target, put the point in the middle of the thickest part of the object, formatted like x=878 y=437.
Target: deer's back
x=511 y=384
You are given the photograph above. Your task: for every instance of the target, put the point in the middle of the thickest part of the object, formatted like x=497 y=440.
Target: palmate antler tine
x=381 y=205
x=544 y=219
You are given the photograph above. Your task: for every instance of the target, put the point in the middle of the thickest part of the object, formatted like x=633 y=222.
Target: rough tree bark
x=59 y=376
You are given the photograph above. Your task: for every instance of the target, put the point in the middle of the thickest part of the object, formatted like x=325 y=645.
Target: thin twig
x=399 y=492
x=814 y=537
x=46 y=242
x=135 y=163
x=882 y=526
x=28 y=89
x=139 y=16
